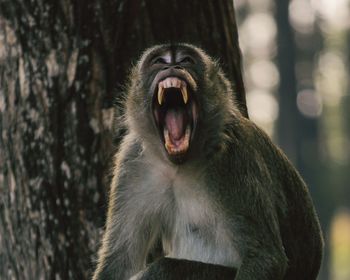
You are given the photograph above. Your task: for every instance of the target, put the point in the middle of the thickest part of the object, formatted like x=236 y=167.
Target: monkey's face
x=175 y=97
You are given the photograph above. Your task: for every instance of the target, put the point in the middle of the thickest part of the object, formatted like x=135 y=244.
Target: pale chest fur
x=192 y=228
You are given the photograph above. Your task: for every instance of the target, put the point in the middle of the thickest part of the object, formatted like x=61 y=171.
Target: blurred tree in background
x=298 y=127
x=296 y=56
x=62 y=66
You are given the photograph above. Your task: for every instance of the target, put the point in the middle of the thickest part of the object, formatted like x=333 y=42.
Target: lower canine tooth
x=167 y=140
x=188 y=131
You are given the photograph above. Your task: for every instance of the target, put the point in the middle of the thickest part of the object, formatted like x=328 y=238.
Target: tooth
x=166 y=134
x=167 y=140
x=160 y=94
x=184 y=94
x=173 y=83
x=168 y=83
x=188 y=131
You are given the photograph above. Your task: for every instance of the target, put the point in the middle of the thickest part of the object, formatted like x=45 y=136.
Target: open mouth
x=175 y=115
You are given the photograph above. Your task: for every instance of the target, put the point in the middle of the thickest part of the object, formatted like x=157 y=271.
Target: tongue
x=174 y=121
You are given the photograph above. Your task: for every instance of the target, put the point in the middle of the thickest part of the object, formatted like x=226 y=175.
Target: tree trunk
x=287 y=131
x=62 y=67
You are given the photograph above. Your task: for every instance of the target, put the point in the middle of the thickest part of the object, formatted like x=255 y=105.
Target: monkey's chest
x=198 y=232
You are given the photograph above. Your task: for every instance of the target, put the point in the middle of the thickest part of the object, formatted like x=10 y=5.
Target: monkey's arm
x=285 y=220
x=300 y=229
x=260 y=246
x=298 y=223
x=121 y=253
x=128 y=238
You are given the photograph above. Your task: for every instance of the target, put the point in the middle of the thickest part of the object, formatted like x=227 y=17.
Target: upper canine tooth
x=184 y=93
x=160 y=94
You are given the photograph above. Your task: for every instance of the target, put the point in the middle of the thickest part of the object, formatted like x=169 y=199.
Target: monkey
x=198 y=190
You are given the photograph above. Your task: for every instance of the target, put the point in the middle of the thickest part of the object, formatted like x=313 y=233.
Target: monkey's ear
x=174 y=269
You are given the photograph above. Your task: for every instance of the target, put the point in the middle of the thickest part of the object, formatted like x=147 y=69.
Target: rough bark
x=62 y=66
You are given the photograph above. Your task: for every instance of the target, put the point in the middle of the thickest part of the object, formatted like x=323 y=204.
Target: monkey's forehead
x=172 y=49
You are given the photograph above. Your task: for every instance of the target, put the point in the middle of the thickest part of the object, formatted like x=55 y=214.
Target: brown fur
x=235 y=202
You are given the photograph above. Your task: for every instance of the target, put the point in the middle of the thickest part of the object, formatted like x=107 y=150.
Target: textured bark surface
x=62 y=67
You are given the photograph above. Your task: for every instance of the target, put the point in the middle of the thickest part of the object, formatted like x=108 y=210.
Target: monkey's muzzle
x=175 y=114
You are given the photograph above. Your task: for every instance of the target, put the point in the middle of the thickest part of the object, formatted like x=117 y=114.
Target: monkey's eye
x=187 y=60
x=159 y=60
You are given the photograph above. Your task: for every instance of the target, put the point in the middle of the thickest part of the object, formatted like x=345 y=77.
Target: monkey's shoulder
x=249 y=143
x=129 y=149
x=252 y=160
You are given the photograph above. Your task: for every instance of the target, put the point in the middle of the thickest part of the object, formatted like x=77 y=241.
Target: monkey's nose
x=172 y=67
x=178 y=67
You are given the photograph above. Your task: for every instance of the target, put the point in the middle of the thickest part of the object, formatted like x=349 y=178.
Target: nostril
x=165 y=67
